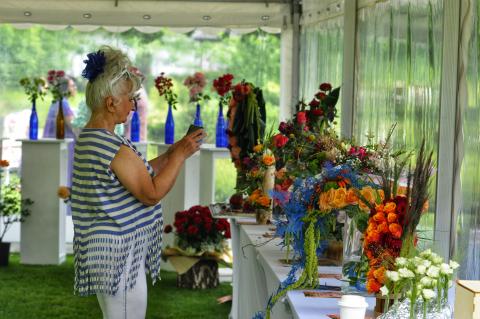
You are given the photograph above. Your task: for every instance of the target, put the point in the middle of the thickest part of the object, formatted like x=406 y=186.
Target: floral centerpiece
x=34 y=88
x=197 y=232
x=312 y=209
x=261 y=203
x=423 y=280
x=200 y=243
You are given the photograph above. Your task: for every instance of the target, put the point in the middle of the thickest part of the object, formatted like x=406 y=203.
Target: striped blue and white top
x=109 y=222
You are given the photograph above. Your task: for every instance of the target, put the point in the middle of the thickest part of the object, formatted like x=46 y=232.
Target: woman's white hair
x=111 y=82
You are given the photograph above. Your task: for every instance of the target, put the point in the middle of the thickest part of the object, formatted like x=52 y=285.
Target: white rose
x=427 y=263
x=421 y=269
x=428 y=294
x=454 y=265
x=433 y=272
x=426 y=253
x=417 y=261
x=405 y=273
x=384 y=290
x=445 y=269
x=400 y=261
x=437 y=260
x=426 y=282
x=393 y=276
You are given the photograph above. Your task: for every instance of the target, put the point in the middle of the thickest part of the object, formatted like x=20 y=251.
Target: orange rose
x=258 y=148
x=371 y=226
x=390 y=207
x=339 y=200
x=396 y=230
x=264 y=201
x=392 y=217
x=369 y=195
x=373 y=286
x=4 y=163
x=379 y=217
x=352 y=198
x=373 y=236
x=382 y=228
x=379 y=275
x=379 y=207
x=268 y=159
x=63 y=192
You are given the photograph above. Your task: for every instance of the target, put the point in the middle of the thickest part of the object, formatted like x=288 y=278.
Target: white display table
x=44 y=169
x=208 y=154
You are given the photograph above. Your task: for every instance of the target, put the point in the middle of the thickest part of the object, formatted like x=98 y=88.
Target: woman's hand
x=188 y=145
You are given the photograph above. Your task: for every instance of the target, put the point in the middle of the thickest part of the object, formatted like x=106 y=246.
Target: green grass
x=45 y=292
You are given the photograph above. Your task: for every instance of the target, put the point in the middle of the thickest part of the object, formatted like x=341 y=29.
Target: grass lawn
x=46 y=292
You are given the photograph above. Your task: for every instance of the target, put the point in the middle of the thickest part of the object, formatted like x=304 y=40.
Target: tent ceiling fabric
x=146 y=16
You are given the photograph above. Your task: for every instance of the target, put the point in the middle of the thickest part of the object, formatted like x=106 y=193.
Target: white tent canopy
x=147 y=15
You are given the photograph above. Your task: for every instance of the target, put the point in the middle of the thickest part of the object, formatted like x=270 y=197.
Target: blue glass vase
x=220 y=136
x=33 y=129
x=169 y=127
x=198 y=118
x=135 y=128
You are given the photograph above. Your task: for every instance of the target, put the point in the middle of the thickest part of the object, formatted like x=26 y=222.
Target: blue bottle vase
x=135 y=128
x=198 y=118
x=169 y=127
x=33 y=129
x=221 y=136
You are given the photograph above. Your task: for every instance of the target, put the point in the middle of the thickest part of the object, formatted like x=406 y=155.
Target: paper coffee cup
x=352 y=307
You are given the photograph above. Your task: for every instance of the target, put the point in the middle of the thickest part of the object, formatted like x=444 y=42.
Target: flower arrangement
x=164 y=87
x=424 y=276
x=311 y=222
x=12 y=207
x=223 y=86
x=57 y=84
x=197 y=231
x=196 y=84
x=392 y=224
x=304 y=143
x=34 y=88
x=258 y=199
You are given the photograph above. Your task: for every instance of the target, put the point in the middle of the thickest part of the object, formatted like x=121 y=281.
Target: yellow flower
x=63 y=192
x=258 y=148
x=352 y=197
x=339 y=200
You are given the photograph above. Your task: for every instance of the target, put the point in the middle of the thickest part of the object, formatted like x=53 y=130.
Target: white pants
x=127 y=304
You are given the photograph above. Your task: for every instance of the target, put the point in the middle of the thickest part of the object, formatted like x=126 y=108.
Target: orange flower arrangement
x=259 y=199
x=382 y=243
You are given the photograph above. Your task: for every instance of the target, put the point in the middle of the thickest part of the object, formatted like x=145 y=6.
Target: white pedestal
x=142 y=147
x=44 y=169
x=183 y=194
x=208 y=154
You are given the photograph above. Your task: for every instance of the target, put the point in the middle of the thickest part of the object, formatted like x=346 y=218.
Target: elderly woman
x=116 y=193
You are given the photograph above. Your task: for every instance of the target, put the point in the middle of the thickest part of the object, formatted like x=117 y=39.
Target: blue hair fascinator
x=95 y=64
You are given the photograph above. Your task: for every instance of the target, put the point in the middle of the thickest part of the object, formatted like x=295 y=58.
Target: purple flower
x=95 y=64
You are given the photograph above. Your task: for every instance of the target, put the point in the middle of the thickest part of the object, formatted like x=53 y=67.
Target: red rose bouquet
x=197 y=231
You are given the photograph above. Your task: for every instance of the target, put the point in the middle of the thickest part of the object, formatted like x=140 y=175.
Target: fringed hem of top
x=100 y=259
